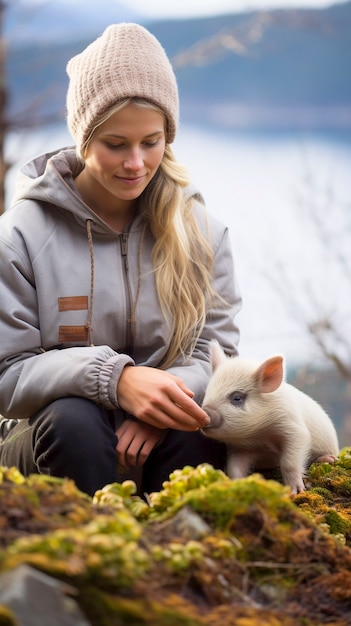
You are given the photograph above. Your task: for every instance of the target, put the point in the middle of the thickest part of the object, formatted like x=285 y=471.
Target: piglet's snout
x=214 y=415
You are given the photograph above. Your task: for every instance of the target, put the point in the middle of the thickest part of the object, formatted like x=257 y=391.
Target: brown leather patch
x=68 y=334
x=73 y=303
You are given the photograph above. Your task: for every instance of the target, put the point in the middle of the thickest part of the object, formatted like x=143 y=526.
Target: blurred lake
x=286 y=198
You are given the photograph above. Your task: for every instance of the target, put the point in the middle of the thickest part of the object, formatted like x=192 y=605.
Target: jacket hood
x=49 y=178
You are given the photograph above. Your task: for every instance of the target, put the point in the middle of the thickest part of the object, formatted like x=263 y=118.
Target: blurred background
x=265 y=92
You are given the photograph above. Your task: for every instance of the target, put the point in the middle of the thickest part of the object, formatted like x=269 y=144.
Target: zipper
x=124 y=251
x=129 y=328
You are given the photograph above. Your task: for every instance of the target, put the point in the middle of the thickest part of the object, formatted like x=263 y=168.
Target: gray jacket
x=75 y=307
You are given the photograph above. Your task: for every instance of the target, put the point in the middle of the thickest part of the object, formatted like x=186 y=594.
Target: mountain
x=53 y=21
x=270 y=68
x=278 y=68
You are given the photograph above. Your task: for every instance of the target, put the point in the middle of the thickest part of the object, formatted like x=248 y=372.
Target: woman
x=114 y=282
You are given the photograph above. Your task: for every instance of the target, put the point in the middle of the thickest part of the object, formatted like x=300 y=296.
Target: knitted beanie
x=125 y=61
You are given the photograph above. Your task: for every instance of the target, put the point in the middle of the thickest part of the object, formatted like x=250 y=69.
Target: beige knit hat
x=126 y=61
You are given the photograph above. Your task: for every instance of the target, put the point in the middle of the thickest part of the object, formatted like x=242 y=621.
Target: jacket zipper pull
x=124 y=249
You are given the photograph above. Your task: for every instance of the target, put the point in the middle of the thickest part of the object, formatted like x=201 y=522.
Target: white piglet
x=264 y=421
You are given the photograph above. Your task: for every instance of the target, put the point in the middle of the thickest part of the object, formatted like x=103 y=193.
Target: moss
x=105 y=551
x=336 y=478
x=344 y=458
x=105 y=609
x=38 y=504
x=217 y=498
x=338 y=523
x=313 y=499
x=12 y=475
x=259 y=557
x=122 y=495
x=328 y=500
x=325 y=493
x=7 y=617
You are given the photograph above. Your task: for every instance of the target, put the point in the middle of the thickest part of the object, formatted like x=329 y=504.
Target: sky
x=191 y=8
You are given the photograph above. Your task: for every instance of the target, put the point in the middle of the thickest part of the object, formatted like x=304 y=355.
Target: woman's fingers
x=160 y=399
x=135 y=442
x=170 y=414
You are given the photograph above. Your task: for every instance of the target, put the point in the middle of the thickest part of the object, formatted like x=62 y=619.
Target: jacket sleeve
x=220 y=322
x=31 y=378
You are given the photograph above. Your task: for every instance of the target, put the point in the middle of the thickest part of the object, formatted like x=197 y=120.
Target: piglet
x=265 y=421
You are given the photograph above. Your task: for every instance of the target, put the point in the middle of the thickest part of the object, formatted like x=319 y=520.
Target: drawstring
x=88 y=325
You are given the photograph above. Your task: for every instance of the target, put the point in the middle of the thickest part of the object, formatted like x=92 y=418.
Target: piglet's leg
x=239 y=464
x=293 y=460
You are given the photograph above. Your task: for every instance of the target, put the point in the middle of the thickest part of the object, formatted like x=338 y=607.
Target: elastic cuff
x=109 y=377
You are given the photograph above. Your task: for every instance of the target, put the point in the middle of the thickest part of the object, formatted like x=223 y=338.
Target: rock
x=39 y=600
x=189 y=525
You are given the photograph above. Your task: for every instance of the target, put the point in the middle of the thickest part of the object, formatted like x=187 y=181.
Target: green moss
x=140 y=612
x=328 y=500
x=173 y=494
x=338 y=523
x=264 y=557
x=11 y=474
x=312 y=500
x=122 y=495
x=217 y=498
x=105 y=609
x=344 y=458
x=7 y=617
x=336 y=478
x=324 y=493
x=178 y=556
x=105 y=551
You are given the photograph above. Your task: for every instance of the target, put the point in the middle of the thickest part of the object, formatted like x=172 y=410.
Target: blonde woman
x=114 y=281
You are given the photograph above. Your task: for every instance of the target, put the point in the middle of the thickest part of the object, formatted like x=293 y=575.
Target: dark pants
x=75 y=438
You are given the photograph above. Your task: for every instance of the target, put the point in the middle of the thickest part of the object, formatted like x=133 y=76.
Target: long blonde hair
x=182 y=256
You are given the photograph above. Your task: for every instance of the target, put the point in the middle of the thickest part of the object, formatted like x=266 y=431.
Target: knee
x=74 y=438
x=70 y=419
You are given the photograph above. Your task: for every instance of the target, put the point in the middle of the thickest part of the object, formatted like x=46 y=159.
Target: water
x=286 y=198
x=263 y=186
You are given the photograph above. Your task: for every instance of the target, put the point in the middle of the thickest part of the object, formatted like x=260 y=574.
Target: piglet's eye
x=237 y=398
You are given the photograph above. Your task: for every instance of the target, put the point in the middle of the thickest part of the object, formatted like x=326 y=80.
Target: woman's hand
x=159 y=399
x=135 y=442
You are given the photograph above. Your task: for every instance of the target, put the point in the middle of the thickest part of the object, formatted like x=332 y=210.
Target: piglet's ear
x=270 y=374
x=217 y=354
